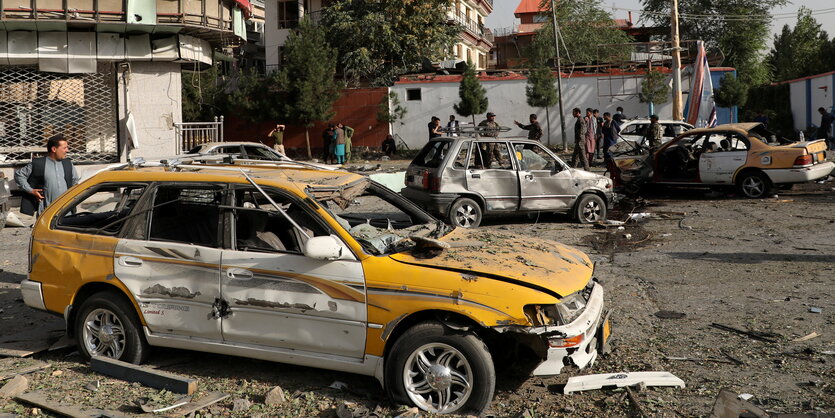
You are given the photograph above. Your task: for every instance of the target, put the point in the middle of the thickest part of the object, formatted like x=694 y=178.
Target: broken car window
x=461 y=158
x=432 y=154
x=102 y=211
x=490 y=155
x=187 y=214
x=258 y=226
x=258 y=153
x=534 y=157
x=379 y=219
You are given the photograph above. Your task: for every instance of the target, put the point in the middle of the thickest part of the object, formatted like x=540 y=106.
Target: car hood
x=537 y=263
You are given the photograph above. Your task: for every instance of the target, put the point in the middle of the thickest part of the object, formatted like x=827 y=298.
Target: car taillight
x=803 y=160
x=434 y=184
x=425 y=182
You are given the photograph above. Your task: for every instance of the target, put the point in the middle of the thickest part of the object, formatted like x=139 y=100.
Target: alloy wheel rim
x=752 y=186
x=438 y=378
x=591 y=211
x=104 y=334
x=465 y=215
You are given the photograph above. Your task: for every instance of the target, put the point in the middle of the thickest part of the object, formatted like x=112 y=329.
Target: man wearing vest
x=46 y=178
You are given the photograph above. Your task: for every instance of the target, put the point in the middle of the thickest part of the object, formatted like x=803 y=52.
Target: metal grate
x=192 y=134
x=35 y=105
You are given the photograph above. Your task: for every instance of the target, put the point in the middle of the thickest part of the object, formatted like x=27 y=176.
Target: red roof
x=527 y=6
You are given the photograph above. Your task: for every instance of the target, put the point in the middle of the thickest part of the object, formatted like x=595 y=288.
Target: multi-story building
x=281 y=16
x=475 y=41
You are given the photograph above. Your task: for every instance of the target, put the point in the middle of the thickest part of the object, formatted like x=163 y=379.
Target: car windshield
x=379 y=219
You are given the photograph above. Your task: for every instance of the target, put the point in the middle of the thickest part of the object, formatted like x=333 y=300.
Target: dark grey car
x=462 y=179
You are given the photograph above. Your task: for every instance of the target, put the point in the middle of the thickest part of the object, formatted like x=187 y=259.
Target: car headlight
x=565 y=312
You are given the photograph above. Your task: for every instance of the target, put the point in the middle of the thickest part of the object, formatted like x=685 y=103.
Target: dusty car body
x=5 y=194
x=635 y=130
x=318 y=268
x=727 y=155
x=462 y=179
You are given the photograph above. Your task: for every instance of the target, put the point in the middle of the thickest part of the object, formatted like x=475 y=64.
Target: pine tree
x=307 y=78
x=654 y=89
x=542 y=92
x=473 y=95
x=731 y=92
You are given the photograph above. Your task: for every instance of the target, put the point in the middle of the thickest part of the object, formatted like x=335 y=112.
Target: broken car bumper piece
x=607 y=380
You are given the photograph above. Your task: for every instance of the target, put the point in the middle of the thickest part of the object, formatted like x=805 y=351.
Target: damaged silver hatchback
x=463 y=179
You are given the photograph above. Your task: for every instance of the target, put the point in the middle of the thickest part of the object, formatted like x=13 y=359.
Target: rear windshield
x=433 y=154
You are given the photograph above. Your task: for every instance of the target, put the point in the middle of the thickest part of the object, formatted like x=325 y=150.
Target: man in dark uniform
x=534 y=130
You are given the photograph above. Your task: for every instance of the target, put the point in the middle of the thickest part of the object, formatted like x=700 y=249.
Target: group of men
x=594 y=134
x=336 y=143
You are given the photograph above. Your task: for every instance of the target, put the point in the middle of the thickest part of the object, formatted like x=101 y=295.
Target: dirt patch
x=614 y=240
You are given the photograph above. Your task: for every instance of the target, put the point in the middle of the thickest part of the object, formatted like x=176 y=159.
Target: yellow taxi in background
x=310 y=267
x=744 y=155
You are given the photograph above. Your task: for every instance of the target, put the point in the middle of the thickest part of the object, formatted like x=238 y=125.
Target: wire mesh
x=36 y=105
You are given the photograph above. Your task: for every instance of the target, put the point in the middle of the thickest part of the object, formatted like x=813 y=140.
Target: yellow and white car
x=317 y=268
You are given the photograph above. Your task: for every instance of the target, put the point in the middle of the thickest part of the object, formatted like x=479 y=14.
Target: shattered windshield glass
x=379 y=219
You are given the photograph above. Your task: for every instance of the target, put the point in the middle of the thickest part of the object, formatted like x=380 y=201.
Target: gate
x=36 y=105
x=191 y=134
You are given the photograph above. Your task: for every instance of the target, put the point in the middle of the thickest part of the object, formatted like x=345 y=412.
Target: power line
x=728 y=18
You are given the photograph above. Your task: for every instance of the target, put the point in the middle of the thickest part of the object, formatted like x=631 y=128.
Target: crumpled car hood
x=539 y=263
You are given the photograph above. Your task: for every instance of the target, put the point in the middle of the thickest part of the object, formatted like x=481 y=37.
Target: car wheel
x=107 y=326
x=590 y=209
x=440 y=370
x=465 y=213
x=754 y=185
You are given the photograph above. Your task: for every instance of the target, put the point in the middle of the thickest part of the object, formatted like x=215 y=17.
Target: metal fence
x=191 y=134
x=36 y=105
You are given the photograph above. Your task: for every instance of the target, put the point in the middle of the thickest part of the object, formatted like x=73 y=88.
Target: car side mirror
x=323 y=248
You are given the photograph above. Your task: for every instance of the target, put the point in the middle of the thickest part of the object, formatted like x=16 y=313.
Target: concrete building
x=808 y=94
x=475 y=41
x=106 y=74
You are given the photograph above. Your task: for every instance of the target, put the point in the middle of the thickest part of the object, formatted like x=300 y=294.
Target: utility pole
x=559 y=72
x=677 y=111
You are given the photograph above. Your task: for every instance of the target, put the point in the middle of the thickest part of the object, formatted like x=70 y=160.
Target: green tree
x=390 y=110
x=654 y=89
x=204 y=95
x=255 y=97
x=541 y=91
x=379 y=40
x=731 y=92
x=587 y=34
x=737 y=28
x=801 y=51
x=472 y=93
x=307 y=79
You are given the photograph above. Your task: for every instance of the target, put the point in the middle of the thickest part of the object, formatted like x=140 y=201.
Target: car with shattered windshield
x=463 y=179
x=316 y=268
x=746 y=156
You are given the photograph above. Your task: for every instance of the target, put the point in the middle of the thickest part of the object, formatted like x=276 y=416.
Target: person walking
x=591 y=133
x=654 y=134
x=46 y=178
x=580 y=131
x=534 y=130
x=453 y=127
x=610 y=136
x=825 y=128
x=339 y=148
x=349 y=133
x=434 y=127
x=278 y=138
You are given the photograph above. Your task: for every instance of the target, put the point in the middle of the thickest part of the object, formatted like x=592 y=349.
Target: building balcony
x=471 y=26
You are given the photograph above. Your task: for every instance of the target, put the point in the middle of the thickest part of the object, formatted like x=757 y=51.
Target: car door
x=545 y=183
x=492 y=174
x=277 y=296
x=170 y=260
x=718 y=167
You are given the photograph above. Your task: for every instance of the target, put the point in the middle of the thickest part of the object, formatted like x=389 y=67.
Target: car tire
x=754 y=185
x=107 y=325
x=440 y=370
x=465 y=213
x=590 y=209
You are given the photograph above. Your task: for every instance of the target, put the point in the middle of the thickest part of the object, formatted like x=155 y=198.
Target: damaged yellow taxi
x=317 y=268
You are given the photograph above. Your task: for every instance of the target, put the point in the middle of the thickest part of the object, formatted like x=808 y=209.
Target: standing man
x=591 y=133
x=580 y=131
x=327 y=144
x=654 y=134
x=598 y=137
x=825 y=129
x=534 y=130
x=452 y=126
x=46 y=178
x=278 y=135
x=610 y=136
x=349 y=132
x=489 y=126
x=339 y=147
x=434 y=127
x=619 y=117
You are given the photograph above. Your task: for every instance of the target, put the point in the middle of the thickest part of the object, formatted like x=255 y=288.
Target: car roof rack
x=475 y=131
x=204 y=161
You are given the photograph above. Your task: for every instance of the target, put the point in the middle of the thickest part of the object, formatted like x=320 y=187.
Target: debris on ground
x=13 y=367
x=14 y=387
x=757 y=335
x=729 y=404
x=40 y=400
x=145 y=375
x=198 y=404
x=605 y=380
x=275 y=396
x=27 y=343
x=670 y=314
x=815 y=309
x=806 y=337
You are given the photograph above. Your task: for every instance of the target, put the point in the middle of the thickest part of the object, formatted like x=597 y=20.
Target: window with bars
x=36 y=105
